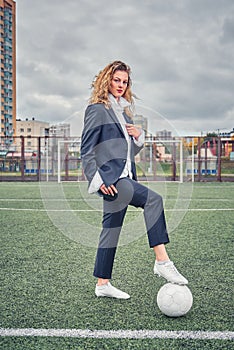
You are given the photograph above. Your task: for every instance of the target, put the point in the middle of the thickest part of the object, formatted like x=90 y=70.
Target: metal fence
x=50 y=158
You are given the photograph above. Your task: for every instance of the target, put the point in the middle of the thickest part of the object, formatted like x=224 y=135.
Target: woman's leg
x=112 y=224
x=113 y=217
x=161 y=253
x=155 y=222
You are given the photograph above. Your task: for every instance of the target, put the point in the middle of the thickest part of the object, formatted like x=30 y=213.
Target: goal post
x=69 y=161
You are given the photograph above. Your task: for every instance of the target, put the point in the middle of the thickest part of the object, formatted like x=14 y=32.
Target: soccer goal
x=159 y=160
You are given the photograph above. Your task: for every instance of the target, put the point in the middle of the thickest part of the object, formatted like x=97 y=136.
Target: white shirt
x=118 y=108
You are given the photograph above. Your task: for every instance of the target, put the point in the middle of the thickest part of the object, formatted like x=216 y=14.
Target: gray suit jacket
x=104 y=146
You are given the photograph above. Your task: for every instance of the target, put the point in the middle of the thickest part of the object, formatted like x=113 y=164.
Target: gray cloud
x=181 y=54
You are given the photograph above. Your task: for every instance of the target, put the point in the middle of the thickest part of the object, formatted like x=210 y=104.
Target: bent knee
x=155 y=198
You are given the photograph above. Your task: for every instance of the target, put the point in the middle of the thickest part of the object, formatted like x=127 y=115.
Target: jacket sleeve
x=137 y=145
x=89 y=141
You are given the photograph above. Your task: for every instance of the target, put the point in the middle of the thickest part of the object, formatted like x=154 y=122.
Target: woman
x=109 y=143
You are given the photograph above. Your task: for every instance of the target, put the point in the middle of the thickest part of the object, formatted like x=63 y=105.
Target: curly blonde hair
x=102 y=81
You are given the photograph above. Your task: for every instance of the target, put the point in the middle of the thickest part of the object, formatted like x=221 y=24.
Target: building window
x=29 y=130
x=21 y=130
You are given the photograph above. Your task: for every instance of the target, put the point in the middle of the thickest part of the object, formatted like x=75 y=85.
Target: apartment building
x=8 y=71
x=31 y=129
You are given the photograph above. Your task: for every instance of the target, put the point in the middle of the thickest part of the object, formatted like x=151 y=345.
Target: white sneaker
x=169 y=272
x=107 y=290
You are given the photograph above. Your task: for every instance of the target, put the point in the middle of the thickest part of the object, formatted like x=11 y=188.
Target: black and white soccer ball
x=174 y=300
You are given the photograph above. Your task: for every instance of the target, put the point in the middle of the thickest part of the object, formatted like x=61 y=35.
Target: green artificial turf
x=46 y=277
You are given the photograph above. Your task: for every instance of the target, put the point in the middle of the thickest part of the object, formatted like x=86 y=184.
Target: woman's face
x=119 y=84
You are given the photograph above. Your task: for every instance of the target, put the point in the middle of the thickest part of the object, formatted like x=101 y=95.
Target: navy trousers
x=132 y=193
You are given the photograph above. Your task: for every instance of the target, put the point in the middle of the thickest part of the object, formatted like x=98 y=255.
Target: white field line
x=100 y=210
x=111 y=334
x=96 y=199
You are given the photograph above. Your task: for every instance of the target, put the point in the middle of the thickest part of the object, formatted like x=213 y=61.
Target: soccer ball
x=174 y=300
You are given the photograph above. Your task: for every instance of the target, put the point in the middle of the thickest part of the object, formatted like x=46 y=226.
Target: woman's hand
x=133 y=131
x=111 y=190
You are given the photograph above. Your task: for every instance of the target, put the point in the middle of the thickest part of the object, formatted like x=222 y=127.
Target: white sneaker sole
x=111 y=296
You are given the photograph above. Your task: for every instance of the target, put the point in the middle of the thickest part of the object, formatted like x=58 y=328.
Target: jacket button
x=124 y=160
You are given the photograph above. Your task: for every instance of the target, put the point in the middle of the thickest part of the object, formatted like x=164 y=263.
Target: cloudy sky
x=181 y=53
